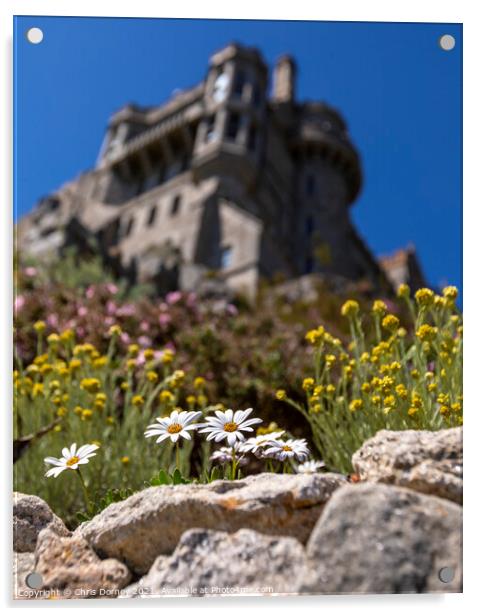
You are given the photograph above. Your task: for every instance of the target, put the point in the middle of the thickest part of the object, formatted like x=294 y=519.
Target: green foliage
x=163 y=478
x=113 y=495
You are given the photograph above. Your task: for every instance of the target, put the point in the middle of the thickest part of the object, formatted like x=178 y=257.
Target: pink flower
x=173 y=297
x=108 y=321
x=53 y=320
x=82 y=311
x=90 y=291
x=144 y=326
x=127 y=310
x=144 y=341
x=164 y=320
x=30 y=271
x=19 y=303
x=111 y=307
x=163 y=307
x=80 y=332
x=112 y=288
x=191 y=299
x=125 y=338
x=232 y=310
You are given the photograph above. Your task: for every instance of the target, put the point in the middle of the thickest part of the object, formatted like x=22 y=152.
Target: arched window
x=176 y=204
x=152 y=216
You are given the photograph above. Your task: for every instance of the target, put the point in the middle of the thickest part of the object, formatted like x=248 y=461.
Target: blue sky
x=398 y=91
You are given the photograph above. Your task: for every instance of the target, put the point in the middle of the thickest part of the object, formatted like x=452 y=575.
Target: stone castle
x=224 y=182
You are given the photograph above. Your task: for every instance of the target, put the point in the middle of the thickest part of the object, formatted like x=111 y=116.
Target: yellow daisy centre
x=287 y=448
x=174 y=428
x=73 y=460
x=230 y=426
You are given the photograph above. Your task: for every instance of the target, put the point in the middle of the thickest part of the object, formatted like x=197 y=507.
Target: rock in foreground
x=31 y=514
x=150 y=523
x=374 y=538
x=208 y=562
x=428 y=462
x=69 y=565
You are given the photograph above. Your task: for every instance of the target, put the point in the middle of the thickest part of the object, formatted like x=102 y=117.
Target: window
x=129 y=227
x=239 y=83
x=252 y=135
x=256 y=95
x=210 y=129
x=310 y=185
x=152 y=216
x=226 y=257
x=233 y=126
x=309 y=265
x=309 y=225
x=176 y=204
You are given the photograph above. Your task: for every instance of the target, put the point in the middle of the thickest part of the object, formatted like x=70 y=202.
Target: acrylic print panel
x=238 y=326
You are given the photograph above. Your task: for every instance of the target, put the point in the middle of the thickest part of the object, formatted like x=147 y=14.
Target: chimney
x=284 y=78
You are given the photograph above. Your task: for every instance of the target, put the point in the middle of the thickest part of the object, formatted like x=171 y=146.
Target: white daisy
x=224 y=455
x=175 y=426
x=255 y=444
x=310 y=466
x=292 y=448
x=229 y=425
x=71 y=459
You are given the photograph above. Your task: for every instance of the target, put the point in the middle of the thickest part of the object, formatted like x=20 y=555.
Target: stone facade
x=221 y=181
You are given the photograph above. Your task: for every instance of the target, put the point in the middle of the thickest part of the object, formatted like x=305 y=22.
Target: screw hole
x=34 y=36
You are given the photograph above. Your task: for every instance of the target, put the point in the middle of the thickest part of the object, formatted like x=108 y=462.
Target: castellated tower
x=224 y=182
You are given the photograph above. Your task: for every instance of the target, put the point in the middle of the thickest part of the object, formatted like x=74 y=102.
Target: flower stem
x=233 y=466
x=84 y=490
x=177 y=455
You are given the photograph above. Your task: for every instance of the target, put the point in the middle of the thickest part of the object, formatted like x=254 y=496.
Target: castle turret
x=284 y=80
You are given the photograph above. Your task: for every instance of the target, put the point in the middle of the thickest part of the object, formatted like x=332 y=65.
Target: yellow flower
x=444 y=410
x=364 y=357
x=319 y=389
x=424 y=297
x=350 y=308
x=53 y=339
x=432 y=387
x=330 y=389
x=316 y=408
x=115 y=330
x=57 y=428
x=40 y=359
x=110 y=420
x=456 y=407
x=61 y=411
x=131 y=364
x=202 y=401
x=451 y=293
x=87 y=414
x=376 y=400
x=177 y=378
x=330 y=360
x=390 y=322
x=67 y=335
x=124 y=386
x=401 y=332
x=412 y=410
x=281 y=394
x=74 y=364
x=308 y=384
x=191 y=400
x=356 y=405
x=148 y=354
x=78 y=410
x=415 y=373
x=32 y=369
x=137 y=400
x=167 y=356
x=90 y=384
x=416 y=400
x=313 y=336
x=199 y=382
x=426 y=333
x=379 y=307
x=133 y=349
x=152 y=376
x=100 y=362
x=401 y=391
x=37 y=389
x=389 y=403
x=365 y=388
x=125 y=459
x=403 y=291
x=39 y=326
x=166 y=396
